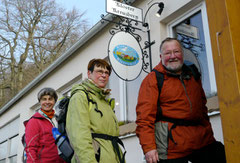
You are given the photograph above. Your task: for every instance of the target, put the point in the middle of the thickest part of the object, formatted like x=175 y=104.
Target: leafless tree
x=34 y=32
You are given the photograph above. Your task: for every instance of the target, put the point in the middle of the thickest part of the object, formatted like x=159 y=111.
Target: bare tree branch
x=33 y=34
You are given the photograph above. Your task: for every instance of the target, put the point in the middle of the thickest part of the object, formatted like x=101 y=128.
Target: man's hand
x=152 y=156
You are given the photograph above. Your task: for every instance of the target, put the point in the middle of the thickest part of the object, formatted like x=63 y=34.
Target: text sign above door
x=121 y=9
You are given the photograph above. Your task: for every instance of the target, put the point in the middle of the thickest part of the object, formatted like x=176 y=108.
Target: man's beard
x=173 y=69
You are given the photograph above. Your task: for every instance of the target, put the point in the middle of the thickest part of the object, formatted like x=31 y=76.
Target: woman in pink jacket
x=40 y=144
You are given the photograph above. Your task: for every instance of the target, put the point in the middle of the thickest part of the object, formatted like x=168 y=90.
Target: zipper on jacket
x=40 y=153
x=116 y=124
x=181 y=79
x=45 y=116
x=115 y=120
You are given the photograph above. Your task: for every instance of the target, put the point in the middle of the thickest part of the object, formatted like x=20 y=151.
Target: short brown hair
x=167 y=40
x=99 y=63
x=47 y=91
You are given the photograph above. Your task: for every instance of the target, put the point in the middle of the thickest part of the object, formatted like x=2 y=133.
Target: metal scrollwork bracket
x=123 y=24
x=130 y=26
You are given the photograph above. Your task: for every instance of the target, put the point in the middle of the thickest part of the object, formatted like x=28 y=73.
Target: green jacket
x=83 y=119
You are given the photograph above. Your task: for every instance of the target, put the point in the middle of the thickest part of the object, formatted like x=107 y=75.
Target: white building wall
x=96 y=47
x=215 y=120
x=134 y=152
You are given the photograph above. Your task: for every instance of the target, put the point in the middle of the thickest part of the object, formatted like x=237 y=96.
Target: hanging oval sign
x=125 y=55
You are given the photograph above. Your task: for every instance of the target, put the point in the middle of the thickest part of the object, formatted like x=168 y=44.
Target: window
x=117 y=93
x=125 y=94
x=9 y=140
x=13 y=146
x=132 y=96
x=192 y=30
x=3 y=151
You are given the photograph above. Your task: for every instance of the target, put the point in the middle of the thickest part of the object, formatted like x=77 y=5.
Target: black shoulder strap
x=115 y=141
x=195 y=72
x=160 y=79
x=88 y=98
x=92 y=101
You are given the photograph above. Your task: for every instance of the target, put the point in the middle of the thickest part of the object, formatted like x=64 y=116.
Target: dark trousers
x=213 y=153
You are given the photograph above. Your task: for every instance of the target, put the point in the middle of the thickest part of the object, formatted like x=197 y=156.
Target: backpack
x=24 y=155
x=61 y=138
x=61 y=112
x=60 y=134
x=176 y=122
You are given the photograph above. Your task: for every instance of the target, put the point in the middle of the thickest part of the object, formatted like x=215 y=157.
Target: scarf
x=49 y=114
x=102 y=92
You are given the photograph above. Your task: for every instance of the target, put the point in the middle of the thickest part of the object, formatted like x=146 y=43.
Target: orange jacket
x=179 y=99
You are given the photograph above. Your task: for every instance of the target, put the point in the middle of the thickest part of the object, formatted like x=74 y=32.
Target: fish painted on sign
x=126 y=55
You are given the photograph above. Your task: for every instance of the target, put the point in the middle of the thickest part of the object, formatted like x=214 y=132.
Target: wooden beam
x=224 y=25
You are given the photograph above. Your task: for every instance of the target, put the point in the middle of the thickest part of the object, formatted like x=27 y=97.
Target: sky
x=93 y=8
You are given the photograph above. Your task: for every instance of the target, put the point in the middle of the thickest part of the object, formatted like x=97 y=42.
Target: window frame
x=200 y=7
x=124 y=99
x=65 y=90
x=8 y=139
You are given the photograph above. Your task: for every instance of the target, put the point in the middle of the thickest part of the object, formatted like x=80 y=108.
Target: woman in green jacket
x=92 y=126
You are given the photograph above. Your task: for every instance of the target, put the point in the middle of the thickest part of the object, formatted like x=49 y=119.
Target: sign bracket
x=130 y=26
x=127 y=18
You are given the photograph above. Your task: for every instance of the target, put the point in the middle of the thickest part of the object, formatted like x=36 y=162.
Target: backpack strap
x=91 y=101
x=115 y=141
x=160 y=79
x=196 y=74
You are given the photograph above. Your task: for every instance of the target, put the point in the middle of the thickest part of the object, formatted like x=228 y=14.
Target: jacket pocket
x=161 y=138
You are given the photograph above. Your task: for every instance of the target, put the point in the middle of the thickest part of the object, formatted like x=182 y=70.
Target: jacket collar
x=90 y=86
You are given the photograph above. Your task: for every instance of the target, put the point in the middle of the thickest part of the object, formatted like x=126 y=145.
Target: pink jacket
x=40 y=144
